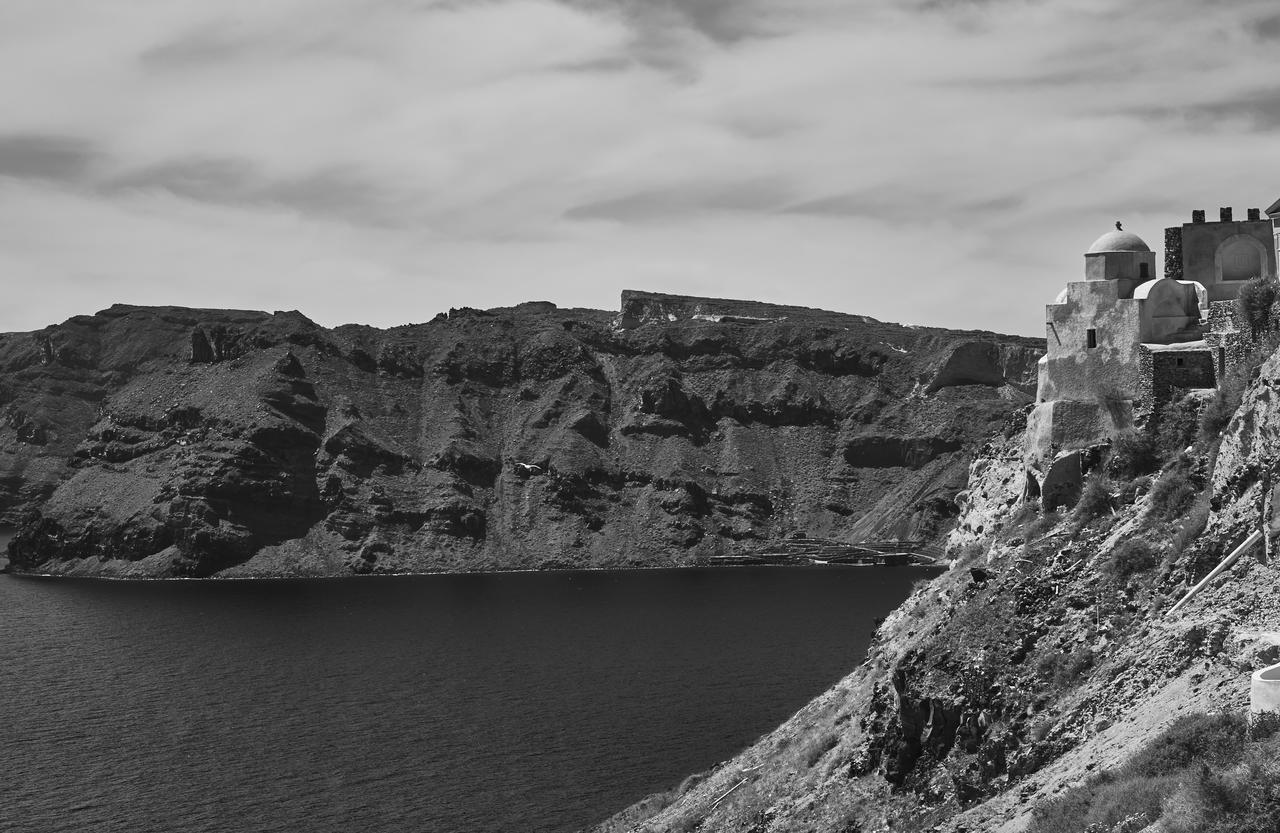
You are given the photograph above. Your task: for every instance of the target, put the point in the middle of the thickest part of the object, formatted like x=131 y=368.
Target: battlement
x=1225 y=215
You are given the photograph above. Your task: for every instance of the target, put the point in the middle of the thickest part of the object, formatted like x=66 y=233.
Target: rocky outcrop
x=161 y=441
x=986 y=363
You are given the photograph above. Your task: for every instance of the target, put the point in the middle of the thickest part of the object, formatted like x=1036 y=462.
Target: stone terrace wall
x=1177 y=371
x=1228 y=336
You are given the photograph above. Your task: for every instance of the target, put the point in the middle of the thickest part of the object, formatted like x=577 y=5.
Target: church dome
x=1118 y=241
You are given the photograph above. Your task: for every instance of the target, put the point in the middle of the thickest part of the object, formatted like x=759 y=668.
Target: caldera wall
x=200 y=442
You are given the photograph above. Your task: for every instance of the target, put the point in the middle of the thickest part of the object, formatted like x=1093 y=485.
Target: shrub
x=1174 y=492
x=1095 y=498
x=1027 y=512
x=818 y=747
x=1063 y=670
x=1192 y=739
x=1134 y=555
x=1134 y=489
x=1194 y=523
x=1257 y=297
x=1198 y=775
x=1179 y=424
x=1222 y=407
x=1264 y=725
x=1041 y=525
x=1134 y=453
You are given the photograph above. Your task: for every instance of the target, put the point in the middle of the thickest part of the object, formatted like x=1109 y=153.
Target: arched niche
x=1170 y=311
x=1239 y=258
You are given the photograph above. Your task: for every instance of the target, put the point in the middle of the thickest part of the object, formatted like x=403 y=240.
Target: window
x=1144 y=270
x=1180 y=361
x=1091 y=338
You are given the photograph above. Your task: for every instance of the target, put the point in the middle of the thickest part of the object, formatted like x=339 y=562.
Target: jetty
x=826 y=551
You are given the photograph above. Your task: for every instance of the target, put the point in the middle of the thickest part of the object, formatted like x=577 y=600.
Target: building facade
x=1123 y=341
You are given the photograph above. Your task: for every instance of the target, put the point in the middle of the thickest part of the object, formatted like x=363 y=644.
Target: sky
x=936 y=162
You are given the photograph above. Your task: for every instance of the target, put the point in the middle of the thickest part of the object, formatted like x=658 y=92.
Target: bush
x=1174 y=492
x=1027 y=512
x=818 y=747
x=1198 y=775
x=1134 y=453
x=1063 y=670
x=1194 y=524
x=1095 y=499
x=1134 y=555
x=1134 y=489
x=1222 y=407
x=1264 y=725
x=1257 y=297
x=1179 y=424
x=1103 y=805
x=1041 y=525
x=1195 y=738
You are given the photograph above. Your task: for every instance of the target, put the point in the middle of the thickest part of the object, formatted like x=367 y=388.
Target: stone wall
x=1173 y=372
x=1227 y=336
x=1173 y=253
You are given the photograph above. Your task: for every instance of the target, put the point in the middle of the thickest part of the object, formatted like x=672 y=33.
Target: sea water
x=503 y=702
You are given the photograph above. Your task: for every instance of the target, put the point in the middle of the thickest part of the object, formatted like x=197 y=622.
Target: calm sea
x=517 y=702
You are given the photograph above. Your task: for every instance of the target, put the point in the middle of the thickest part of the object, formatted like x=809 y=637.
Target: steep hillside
x=163 y=441
x=1010 y=691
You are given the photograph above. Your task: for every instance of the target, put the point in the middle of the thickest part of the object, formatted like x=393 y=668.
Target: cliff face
x=1047 y=655
x=163 y=441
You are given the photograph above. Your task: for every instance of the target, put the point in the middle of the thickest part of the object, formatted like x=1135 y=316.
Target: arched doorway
x=1239 y=258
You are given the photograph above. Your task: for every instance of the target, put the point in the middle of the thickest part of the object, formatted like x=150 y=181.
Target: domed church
x=1123 y=341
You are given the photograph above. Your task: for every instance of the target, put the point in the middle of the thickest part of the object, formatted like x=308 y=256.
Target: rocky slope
x=166 y=442
x=1045 y=656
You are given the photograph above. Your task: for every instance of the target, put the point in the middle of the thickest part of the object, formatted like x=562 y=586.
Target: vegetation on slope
x=1207 y=773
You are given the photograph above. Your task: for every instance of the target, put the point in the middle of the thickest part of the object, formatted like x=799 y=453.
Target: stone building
x=1123 y=341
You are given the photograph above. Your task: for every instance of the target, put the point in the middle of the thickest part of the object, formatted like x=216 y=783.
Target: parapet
x=1226 y=214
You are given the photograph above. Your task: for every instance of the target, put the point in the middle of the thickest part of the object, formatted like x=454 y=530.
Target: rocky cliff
x=165 y=442
x=1015 y=691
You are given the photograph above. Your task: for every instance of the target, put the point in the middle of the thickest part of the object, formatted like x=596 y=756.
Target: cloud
x=384 y=159
x=43 y=156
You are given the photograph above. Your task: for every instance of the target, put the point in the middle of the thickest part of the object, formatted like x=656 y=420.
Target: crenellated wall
x=1223 y=255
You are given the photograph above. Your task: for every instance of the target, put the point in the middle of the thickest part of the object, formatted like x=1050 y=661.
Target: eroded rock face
x=161 y=441
x=989 y=363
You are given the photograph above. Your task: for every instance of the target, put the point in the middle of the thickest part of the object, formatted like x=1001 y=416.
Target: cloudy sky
x=928 y=161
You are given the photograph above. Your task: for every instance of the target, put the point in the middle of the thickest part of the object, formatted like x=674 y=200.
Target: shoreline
x=6 y=568
x=717 y=567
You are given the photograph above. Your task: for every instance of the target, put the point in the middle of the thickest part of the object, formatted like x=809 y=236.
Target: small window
x=1091 y=338
x=1181 y=361
x=1144 y=270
